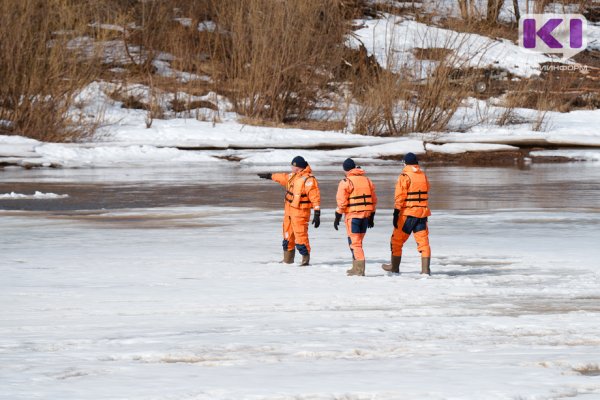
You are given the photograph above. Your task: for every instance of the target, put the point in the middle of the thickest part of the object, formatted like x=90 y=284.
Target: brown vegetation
x=276 y=62
x=40 y=72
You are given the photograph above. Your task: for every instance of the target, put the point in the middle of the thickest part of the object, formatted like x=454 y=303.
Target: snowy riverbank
x=191 y=141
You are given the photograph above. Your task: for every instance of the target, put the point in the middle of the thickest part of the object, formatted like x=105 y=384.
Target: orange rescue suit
x=357 y=199
x=302 y=193
x=411 y=197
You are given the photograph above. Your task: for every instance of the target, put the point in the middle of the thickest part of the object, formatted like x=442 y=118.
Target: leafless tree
x=493 y=10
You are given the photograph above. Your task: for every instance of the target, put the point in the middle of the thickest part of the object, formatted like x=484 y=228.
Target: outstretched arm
x=282 y=178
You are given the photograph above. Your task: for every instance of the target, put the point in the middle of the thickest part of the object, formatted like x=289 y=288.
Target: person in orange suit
x=302 y=193
x=411 y=209
x=357 y=199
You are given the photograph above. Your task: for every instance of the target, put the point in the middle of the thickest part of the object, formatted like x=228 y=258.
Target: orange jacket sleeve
x=401 y=191
x=342 y=195
x=281 y=178
x=311 y=187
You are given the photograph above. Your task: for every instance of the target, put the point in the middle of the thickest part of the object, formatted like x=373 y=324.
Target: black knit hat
x=299 y=162
x=349 y=164
x=410 y=159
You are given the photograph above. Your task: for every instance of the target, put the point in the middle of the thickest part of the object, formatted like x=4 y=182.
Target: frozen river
x=567 y=187
x=164 y=284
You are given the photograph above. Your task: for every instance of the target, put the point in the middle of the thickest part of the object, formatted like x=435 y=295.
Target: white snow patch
x=593 y=36
x=110 y=27
x=360 y=154
x=163 y=68
x=398 y=36
x=187 y=22
x=77 y=155
x=576 y=128
x=457 y=148
x=576 y=154
x=37 y=195
x=194 y=133
x=17 y=140
x=207 y=26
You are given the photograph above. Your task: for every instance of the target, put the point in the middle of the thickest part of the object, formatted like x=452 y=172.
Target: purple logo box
x=563 y=34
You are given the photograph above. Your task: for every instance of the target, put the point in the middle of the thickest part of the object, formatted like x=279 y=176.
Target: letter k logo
x=545 y=33
x=562 y=34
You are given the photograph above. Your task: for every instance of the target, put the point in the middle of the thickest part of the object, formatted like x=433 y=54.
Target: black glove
x=371 y=220
x=268 y=175
x=336 y=223
x=396 y=215
x=317 y=218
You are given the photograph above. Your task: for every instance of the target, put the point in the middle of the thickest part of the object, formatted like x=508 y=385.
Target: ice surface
x=190 y=302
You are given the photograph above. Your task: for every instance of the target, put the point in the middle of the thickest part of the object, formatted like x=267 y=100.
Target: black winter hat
x=299 y=162
x=349 y=164
x=410 y=159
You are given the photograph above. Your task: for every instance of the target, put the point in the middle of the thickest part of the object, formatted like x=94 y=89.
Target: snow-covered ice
x=190 y=302
x=575 y=154
x=457 y=148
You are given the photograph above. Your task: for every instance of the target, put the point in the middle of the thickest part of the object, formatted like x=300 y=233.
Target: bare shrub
x=420 y=96
x=41 y=70
x=561 y=91
x=277 y=57
x=395 y=105
x=378 y=104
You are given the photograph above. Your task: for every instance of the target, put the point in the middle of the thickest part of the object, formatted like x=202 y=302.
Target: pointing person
x=411 y=209
x=302 y=193
x=357 y=199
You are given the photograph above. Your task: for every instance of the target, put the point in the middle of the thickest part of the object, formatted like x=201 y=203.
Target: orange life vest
x=361 y=197
x=417 y=195
x=295 y=194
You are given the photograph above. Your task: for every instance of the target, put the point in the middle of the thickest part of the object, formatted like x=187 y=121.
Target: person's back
x=357 y=199
x=411 y=209
x=412 y=192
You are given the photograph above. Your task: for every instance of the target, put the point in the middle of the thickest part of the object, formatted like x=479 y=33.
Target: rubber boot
x=305 y=260
x=358 y=268
x=288 y=256
x=425 y=265
x=394 y=266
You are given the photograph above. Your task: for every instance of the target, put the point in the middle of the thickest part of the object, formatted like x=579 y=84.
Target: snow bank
x=576 y=128
x=17 y=146
x=579 y=155
x=362 y=153
x=190 y=133
x=125 y=140
x=23 y=151
x=457 y=148
x=74 y=155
